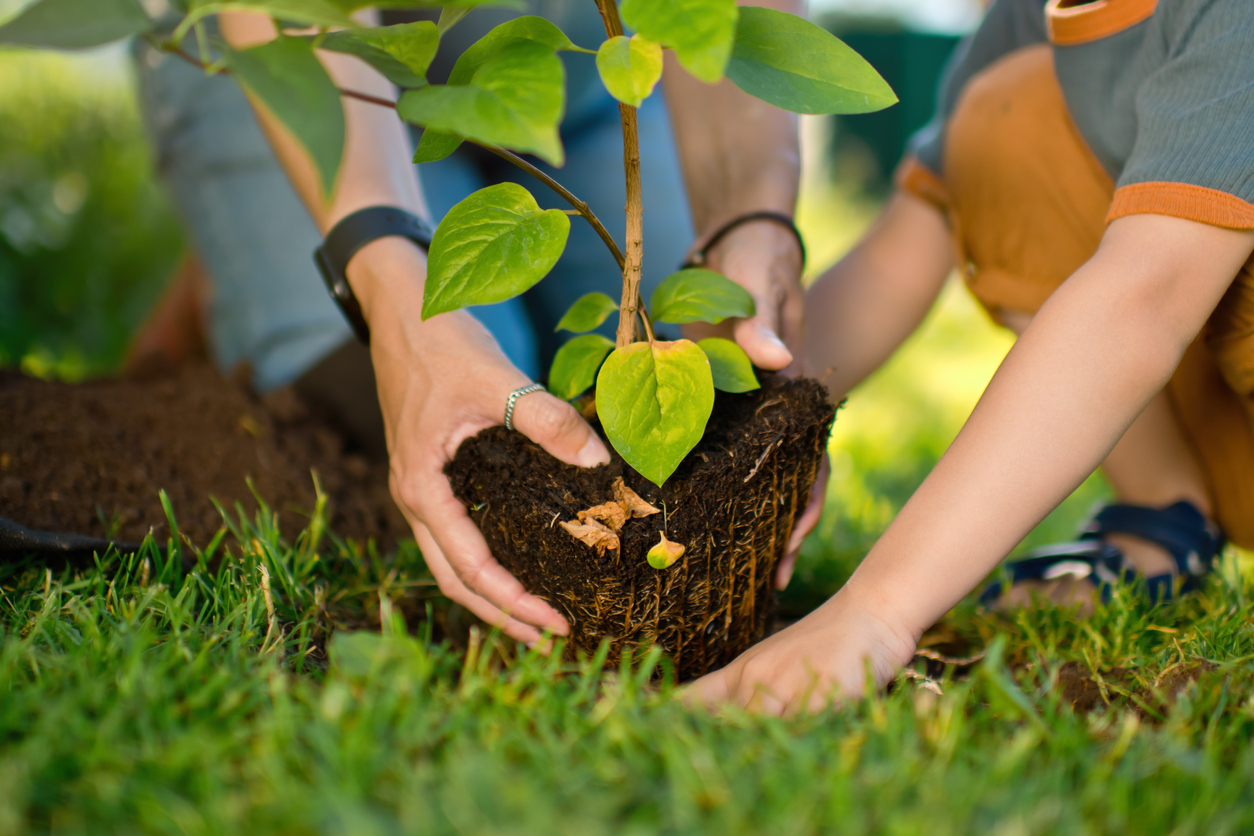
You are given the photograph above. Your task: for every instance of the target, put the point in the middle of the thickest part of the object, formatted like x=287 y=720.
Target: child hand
x=811 y=665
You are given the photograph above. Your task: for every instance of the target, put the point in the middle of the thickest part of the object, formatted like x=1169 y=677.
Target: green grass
x=136 y=697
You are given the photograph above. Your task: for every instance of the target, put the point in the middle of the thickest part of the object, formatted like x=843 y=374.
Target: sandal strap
x=1181 y=529
x=1081 y=558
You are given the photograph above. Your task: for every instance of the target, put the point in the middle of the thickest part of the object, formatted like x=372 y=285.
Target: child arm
x=1102 y=346
x=865 y=306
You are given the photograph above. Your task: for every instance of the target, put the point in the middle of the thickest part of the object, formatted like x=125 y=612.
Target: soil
x=90 y=459
x=732 y=504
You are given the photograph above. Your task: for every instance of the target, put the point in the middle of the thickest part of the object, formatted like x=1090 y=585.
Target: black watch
x=350 y=235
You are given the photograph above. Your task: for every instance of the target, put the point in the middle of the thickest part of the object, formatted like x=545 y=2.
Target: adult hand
x=440 y=382
x=764 y=259
x=826 y=657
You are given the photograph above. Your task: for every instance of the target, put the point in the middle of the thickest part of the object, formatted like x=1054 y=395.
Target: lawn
x=290 y=682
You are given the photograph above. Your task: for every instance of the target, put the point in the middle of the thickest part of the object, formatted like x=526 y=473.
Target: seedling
x=507 y=94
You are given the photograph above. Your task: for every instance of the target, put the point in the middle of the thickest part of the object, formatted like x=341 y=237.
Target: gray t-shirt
x=1163 y=93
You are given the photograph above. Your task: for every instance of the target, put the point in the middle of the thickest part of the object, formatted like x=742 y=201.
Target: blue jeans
x=269 y=307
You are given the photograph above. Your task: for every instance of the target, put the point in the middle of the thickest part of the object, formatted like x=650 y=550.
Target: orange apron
x=1027 y=203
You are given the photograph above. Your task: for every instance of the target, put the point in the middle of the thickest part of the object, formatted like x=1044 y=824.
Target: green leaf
x=75 y=24
x=654 y=400
x=450 y=16
x=492 y=246
x=575 y=365
x=515 y=99
x=791 y=63
x=589 y=311
x=304 y=12
x=696 y=295
x=402 y=52
x=525 y=28
x=700 y=31
x=435 y=146
x=291 y=83
x=354 y=5
x=630 y=68
x=730 y=366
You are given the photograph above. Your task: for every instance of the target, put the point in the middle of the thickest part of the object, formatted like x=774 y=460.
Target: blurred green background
x=87 y=243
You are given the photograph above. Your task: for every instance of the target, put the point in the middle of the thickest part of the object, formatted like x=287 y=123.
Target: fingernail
x=593 y=454
x=771 y=337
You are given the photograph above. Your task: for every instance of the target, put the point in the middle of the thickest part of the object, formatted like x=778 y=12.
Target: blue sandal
x=1190 y=539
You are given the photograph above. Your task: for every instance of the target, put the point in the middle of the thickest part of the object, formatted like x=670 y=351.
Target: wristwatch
x=347 y=237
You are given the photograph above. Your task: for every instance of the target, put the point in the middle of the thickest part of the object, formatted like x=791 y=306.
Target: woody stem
x=635 y=207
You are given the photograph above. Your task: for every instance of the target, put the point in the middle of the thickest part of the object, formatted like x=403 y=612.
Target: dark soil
x=732 y=504
x=90 y=459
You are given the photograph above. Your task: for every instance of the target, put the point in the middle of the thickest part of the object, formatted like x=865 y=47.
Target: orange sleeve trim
x=1181 y=200
x=914 y=177
x=1073 y=22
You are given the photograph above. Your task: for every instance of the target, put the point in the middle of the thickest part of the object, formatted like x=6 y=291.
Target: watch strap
x=347 y=238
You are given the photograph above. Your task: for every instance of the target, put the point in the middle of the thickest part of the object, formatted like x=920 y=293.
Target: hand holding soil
x=440 y=382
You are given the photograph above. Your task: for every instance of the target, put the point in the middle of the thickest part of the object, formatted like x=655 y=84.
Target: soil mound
x=731 y=504
x=90 y=458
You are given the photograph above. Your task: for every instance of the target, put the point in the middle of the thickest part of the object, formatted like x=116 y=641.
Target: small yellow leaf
x=631 y=501
x=665 y=553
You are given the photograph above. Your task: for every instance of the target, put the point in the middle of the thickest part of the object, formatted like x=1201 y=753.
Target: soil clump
x=90 y=459
x=731 y=504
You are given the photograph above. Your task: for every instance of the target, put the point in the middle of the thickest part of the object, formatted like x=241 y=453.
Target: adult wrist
x=387 y=275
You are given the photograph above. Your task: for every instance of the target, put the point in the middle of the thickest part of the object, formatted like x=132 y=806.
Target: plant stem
x=635 y=206
x=580 y=206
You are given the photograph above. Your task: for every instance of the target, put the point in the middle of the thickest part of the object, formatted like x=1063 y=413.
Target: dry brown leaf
x=611 y=513
x=593 y=534
x=631 y=501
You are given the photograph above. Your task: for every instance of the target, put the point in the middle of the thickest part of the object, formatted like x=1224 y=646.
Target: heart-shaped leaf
x=514 y=99
x=492 y=246
x=697 y=295
x=654 y=400
x=630 y=68
x=575 y=365
x=729 y=365
x=665 y=553
x=435 y=146
x=700 y=31
x=793 y=64
x=289 y=80
x=402 y=52
x=589 y=311
x=75 y=24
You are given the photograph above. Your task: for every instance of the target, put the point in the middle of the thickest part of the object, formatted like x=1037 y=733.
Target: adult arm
x=439 y=381
x=738 y=155
x=1104 y=344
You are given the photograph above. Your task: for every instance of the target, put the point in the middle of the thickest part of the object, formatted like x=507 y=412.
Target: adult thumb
x=559 y=428
x=757 y=335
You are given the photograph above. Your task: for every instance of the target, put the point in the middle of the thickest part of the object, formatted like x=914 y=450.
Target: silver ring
x=513 y=399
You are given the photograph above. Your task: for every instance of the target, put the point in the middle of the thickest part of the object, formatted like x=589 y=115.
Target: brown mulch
x=90 y=459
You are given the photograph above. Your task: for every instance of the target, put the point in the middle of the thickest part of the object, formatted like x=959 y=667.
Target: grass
x=137 y=696
x=288 y=682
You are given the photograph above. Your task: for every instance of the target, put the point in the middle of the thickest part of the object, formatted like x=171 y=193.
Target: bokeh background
x=88 y=243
